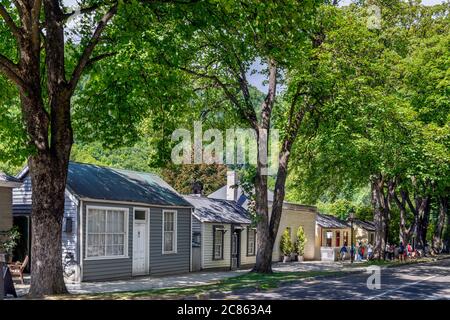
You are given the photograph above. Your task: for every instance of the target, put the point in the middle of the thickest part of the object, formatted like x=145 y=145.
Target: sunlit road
x=413 y=282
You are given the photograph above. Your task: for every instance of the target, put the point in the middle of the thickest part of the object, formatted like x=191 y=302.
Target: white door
x=140 y=242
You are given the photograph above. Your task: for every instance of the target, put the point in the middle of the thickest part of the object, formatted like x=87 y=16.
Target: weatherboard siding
x=246 y=260
x=23 y=196
x=208 y=261
x=160 y=264
x=172 y=263
x=196 y=225
x=69 y=239
x=107 y=269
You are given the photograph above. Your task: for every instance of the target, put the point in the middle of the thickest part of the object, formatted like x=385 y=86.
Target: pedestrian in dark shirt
x=343 y=251
x=401 y=252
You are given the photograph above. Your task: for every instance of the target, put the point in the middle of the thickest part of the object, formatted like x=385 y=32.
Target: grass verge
x=248 y=280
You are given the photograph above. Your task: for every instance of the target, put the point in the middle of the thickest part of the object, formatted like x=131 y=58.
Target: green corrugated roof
x=104 y=183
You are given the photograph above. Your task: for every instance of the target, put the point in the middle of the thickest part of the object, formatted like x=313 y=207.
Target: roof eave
x=132 y=203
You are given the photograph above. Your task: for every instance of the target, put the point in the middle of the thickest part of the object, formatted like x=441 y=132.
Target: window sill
x=106 y=258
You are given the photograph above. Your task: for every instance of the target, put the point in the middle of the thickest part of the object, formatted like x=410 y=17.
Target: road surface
x=410 y=282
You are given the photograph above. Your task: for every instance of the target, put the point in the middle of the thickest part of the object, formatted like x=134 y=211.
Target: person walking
x=352 y=252
x=369 y=252
x=409 y=250
x=358 y=252
x=401 y=252
x=343 y=251
x=386 y=251
x=392 y=251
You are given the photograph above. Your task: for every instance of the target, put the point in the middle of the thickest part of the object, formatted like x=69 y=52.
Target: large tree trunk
x=46 y=219
x=405 y=232
x=264 y=240
x=265 y=264
x=442 y=220
x=268 y=225
x=423 y=210
x=380 y=204
x=48 y=170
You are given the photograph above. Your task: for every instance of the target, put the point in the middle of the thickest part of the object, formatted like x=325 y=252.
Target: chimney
x=197 y=188
x=232 y=181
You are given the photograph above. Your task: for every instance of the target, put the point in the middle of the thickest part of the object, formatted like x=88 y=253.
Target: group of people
x=362 y=251
x=401 y=252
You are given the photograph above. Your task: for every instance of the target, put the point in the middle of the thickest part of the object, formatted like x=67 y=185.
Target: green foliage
x=10 y=241
x=182 y=177
x=382 y=95
x=13 y=143
x=389 y=111
x=300 y=241
x=286 y=247
x=136 y=157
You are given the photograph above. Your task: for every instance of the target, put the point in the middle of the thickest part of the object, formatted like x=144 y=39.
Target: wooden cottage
x=332 y=234
x=120 y=223
x=222 y=233
x=292 y=217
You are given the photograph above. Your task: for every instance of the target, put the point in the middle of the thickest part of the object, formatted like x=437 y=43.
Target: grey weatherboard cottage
x=120 y=223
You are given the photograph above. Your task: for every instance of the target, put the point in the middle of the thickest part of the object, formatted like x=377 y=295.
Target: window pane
x=251 y=241
x=119 y=250
x=109 y=250
x=168 y=241
x=96 y=220
x=111 y=221
x=168 y=221
x=218 y=251
x=115 y=221
x=329 y=237
x=219 y=234
x=96 y=245
x=106 y=233
x=139 y=215
x=218 y=244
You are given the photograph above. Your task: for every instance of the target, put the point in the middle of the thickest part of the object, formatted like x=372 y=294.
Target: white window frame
x=175 y=231
x=219 y=229
x=126 y=221
x=249 y=229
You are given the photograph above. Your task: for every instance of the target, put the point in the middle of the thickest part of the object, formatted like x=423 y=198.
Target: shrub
x=10 y=241
x=286 y=247
x=300 y=241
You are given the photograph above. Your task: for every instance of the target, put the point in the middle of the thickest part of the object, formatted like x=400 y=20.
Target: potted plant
x=299 y=244
x=9 y=243
x=286 y=246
